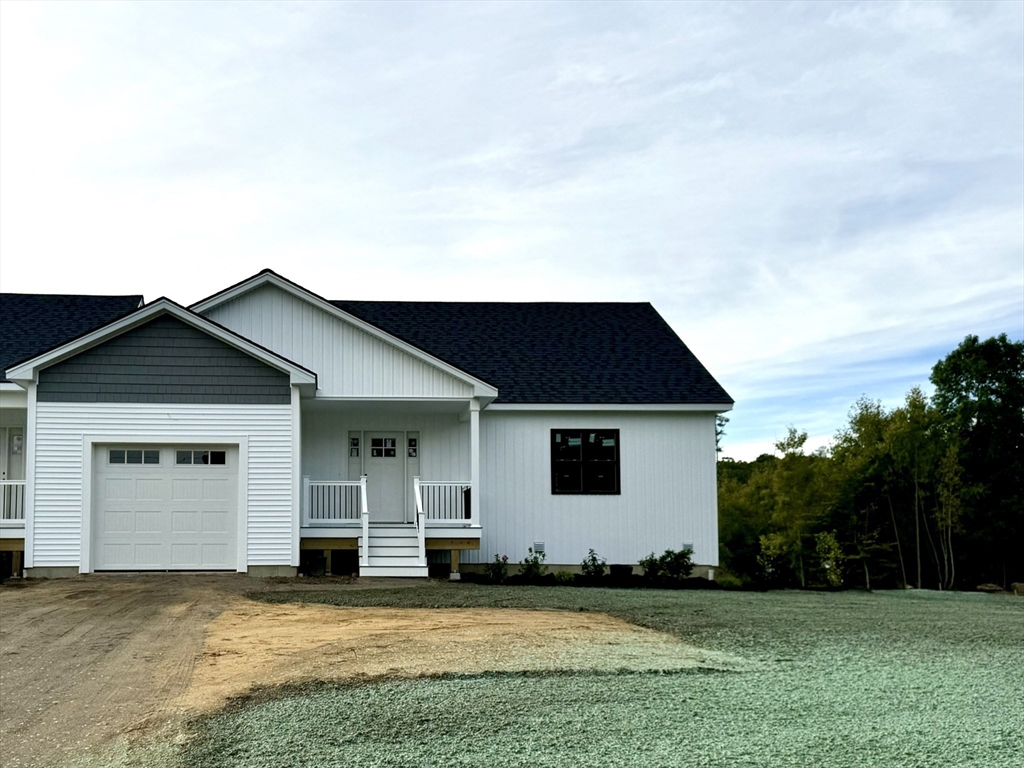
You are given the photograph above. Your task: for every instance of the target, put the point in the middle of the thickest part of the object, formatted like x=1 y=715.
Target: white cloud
x=821 y=199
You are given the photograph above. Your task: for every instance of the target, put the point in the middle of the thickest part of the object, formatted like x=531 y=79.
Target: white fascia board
x=661 y=407
x=27 y=371
x=481 y=388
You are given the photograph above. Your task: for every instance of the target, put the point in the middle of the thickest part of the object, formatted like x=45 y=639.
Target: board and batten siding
x=443 y=441
x=163 y=361
x=348 y=361
x=59 y=433
x=667 y=477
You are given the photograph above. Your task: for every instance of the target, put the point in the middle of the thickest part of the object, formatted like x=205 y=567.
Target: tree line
x=929 y=494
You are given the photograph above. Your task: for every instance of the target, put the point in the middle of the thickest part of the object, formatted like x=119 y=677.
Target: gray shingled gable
x=31 y=324
x=163 y=361
x=586 y=353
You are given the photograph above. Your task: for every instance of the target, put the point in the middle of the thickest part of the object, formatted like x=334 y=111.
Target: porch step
x=393 y=541
x=393 y=551
x=383 y=560
x=408 y=571
x=406 y=551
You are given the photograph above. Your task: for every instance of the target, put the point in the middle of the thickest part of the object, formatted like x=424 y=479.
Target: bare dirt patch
x=90 y=666
x=256 y=644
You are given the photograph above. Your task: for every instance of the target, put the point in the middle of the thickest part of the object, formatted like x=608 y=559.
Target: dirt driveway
x=89 y=666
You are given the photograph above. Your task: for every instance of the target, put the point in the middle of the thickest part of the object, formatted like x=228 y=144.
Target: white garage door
x=165 y=507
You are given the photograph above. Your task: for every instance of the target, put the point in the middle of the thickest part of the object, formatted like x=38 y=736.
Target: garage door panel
x=215 y=522
x=119 y=522
x=165 y=516
x=185 y=556
x=118 y=553
x=214 y=553
x=187 y=489
x=216 y=490
x=184 y=522
x=119 y=489
x=151 y=489
x=149 y=555
x=150 y=522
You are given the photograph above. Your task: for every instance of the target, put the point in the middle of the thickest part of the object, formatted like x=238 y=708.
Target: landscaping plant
x=668 y=570
x=532 y=567
x=592 y=566
x=497 y=571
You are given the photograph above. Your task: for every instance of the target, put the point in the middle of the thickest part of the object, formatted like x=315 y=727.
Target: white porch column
x=29 y=500
x=296 y=473
x=474 y=461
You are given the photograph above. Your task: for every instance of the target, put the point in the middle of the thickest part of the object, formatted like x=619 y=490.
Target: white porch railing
x=334 y=502
x=12 y=500
x=449 y=500
x=421 y=520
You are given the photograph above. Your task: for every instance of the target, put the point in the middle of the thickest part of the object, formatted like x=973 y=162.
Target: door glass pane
x=117 y=456
x=133 y=457
x=183 y=457
x=151 y=457
x=218 y=457
x=200 y=457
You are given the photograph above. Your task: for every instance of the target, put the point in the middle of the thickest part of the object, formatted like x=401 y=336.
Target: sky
x=822 y=199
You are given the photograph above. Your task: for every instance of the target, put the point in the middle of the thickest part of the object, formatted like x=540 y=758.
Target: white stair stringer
x=394 y=551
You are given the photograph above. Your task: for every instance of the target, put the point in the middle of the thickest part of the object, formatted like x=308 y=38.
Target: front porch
x=390 y=481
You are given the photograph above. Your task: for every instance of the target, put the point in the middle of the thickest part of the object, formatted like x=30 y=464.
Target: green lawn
x=843 y=679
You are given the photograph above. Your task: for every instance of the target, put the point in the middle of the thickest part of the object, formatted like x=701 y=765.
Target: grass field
x=836 y=679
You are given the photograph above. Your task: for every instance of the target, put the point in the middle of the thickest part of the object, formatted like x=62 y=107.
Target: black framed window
x=585 y=461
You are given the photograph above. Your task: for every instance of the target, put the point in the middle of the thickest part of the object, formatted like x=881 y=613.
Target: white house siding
x=348 y=361
x=443 y=447
x=61 y=427
x=667 y=476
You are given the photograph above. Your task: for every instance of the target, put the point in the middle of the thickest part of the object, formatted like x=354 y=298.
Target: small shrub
x=532 y=567
x=593 y=566
x=565 y=579
x=497 y=572
x=669 y=569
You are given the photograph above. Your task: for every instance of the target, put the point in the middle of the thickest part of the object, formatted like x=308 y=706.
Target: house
x=265 y=425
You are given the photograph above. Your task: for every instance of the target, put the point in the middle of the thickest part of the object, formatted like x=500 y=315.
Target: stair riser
x=397 y=562
x=394 y=552
x=419 y=572
x=405 y=541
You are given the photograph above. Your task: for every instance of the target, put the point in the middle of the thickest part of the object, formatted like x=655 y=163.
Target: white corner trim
x=28 y=370
x=657 y=407
x=296 y=472
x=30 y=475
x=480 y=387
x=89 y=443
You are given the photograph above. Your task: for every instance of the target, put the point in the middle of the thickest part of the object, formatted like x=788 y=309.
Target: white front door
x=385 y=476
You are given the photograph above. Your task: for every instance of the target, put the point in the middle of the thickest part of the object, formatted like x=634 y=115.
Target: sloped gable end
x=163 y=361
x=349 y=361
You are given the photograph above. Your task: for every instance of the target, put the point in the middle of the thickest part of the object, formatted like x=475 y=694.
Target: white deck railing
x=421 y=520
x=333 y=502
x=12 y=500
x=449 y=500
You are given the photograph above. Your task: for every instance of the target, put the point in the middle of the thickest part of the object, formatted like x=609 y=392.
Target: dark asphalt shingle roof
x=32 y=323
x=553 y=352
